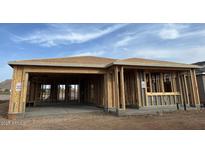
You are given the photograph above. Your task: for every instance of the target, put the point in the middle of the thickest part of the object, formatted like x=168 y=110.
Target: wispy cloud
x=171 y=31
x=96 y=53
x=157 y=34
x=159 y=31
x=64 y=35
x=125 y=41
x=175 y=31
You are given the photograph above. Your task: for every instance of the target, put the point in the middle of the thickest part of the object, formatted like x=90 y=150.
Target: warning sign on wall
x=18 y=86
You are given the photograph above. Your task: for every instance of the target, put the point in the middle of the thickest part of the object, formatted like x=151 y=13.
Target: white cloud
x=65 y=35
x=96 y=53
x=175 y=31
x=169 y=34
x=164 y=31
x=172 y=31
x=125 y=41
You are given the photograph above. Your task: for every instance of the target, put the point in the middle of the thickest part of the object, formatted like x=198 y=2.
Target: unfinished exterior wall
x=119 y=87
x=133 y=90
x=18 y=91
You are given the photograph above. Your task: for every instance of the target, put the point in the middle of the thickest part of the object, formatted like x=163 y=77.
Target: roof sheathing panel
x=99 y=62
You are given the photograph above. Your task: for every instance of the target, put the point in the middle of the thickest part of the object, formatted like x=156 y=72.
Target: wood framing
x=107 y=83
x=122 y=88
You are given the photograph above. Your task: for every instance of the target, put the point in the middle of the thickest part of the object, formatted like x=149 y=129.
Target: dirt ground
x=178 y=120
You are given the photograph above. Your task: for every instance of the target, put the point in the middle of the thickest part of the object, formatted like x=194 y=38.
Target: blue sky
x=173 y=42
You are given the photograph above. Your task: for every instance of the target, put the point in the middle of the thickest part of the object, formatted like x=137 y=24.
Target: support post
x=174 y=86
x=139 y=89
x=105 y=92
x=116 y=89
x=122 y=88
x=195 y=88
x=180 y=88
x=150 y=82
x=24 y=92
x=145 y=89
x=186 y=90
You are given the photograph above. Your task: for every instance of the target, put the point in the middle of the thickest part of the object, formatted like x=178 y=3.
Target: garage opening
x=65 y=89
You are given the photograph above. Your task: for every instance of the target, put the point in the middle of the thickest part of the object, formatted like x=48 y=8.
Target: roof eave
x=155 y=65
x=14 y=63
x=56 y=65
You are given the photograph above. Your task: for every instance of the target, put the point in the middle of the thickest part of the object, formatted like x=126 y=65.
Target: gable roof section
x=99 y=62
x=81 y=61
x=152 y=63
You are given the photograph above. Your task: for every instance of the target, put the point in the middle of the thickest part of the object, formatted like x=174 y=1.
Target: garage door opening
x=65 y=89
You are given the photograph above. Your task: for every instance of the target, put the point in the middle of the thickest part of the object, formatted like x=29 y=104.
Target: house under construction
x=112 y=84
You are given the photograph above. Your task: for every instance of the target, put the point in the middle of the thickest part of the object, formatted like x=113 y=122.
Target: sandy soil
x=98 y=121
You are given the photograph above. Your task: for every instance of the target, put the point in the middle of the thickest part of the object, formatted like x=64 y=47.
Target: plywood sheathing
x=99 y=62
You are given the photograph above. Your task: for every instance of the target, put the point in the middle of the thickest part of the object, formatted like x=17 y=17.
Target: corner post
x=18 y=92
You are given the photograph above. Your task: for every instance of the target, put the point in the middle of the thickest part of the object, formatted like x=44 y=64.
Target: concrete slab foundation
x=53 y=110
x=150 y=110
x=78 y=109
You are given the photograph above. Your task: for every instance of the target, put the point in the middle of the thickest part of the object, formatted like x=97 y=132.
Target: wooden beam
x=138 y=89
x=135 y=84
x=161 y=81
x=122 y=88
x=12 y=95
x=116 y=88
x=174 y=86
x=109 y=90
x=186 y=90
x=33 y=69
x=163 y=94
x=105 y=94
x=150 y=82
x=133 y=88
x=190 y=87
x=145 y=89
x=24 y=93
x=162 y=88
x=180 y=88
x=148 y=68
x=195 y=86
x=113 y=90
